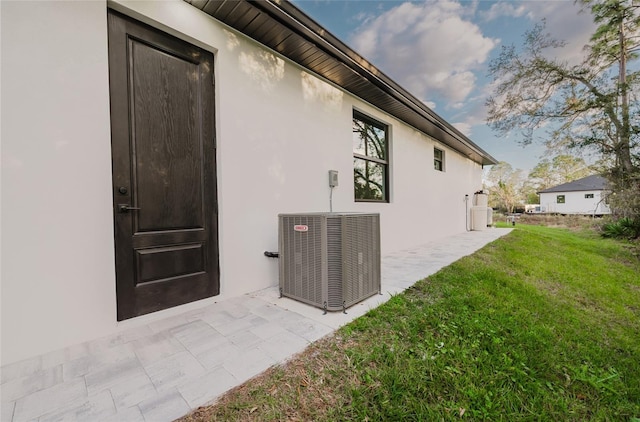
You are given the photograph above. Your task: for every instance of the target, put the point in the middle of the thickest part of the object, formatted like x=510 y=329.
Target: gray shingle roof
x=594 y=182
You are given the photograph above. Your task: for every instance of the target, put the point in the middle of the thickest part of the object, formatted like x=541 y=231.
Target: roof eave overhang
x=284 y=28
x=586 y=189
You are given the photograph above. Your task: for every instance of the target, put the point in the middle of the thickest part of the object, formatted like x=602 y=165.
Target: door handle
x=126 y=208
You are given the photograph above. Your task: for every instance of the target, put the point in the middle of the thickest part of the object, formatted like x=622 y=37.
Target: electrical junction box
x=333 y=178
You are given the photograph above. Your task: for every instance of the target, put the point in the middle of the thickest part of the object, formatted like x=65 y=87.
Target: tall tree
x=569 y=168
x=542 y=175
x=529 y=193
x=550 y=172
x=505 y=186
x=560 y=169
x=593 y=104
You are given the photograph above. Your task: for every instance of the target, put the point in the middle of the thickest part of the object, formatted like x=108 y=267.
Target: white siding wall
x=574 y=203
x=279 y=130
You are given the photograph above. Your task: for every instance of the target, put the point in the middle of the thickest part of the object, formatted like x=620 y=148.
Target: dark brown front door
x=164 y=184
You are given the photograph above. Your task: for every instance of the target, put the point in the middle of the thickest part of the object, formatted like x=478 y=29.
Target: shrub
x=625 y=227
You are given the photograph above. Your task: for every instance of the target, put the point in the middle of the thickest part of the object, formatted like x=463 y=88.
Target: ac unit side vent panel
x=305 y=264
x=334 y=264
x=329 y=260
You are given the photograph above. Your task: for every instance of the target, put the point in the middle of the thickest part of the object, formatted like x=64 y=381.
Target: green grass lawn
x=543 y=324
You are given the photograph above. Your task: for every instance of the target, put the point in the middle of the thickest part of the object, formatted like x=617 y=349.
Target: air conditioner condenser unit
x=329 y=260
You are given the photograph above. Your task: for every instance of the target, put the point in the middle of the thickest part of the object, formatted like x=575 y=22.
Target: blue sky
x=440 y=50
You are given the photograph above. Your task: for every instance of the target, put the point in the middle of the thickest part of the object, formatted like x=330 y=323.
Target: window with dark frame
x=370 y=159
x=438 y=159
x=560 y=199
x=588 y=196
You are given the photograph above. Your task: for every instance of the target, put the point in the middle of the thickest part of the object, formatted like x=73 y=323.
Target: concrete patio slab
x=163 y=370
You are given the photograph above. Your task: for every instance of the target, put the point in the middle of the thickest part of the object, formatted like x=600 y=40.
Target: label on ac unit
x=301 y=228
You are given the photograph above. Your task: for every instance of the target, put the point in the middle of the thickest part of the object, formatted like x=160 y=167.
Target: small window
x=370 y=159
x=588 y=196
x=560 y=199
x=438 y=159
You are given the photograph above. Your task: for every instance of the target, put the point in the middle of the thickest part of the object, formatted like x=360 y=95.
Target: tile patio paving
x=165 y=369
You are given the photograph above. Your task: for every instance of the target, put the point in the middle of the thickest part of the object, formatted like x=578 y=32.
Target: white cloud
x=436 y=48
x=501 y=9
x=429 y=104
x=564 y=22
x=474 y=115
x=431 y=48
x=463 y=127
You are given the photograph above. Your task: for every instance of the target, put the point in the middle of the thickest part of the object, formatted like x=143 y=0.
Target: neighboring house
x=582 y=196
x=148 y=148
x=533 y=209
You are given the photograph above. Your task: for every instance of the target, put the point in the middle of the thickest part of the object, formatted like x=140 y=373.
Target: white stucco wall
x=279 y=130
x=57 y=231
x=575 y=203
